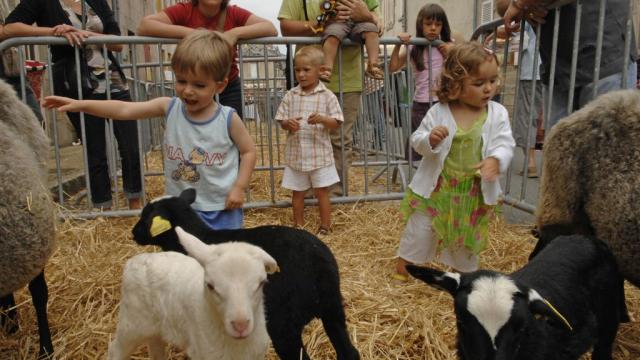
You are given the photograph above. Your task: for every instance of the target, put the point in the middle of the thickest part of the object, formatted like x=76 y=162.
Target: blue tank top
x=200 y=155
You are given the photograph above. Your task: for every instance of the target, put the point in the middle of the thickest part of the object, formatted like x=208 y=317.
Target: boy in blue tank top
x=203 y=140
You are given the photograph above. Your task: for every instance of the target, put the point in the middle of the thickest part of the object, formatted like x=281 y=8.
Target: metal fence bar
x=381 y=131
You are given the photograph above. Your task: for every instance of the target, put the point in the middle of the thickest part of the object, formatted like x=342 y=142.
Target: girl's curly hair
x=462 y=60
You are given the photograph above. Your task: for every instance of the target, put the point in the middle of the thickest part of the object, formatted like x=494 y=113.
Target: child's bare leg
x=324 y=206
x=372 y=44
x=330 y=49
x=297 y=202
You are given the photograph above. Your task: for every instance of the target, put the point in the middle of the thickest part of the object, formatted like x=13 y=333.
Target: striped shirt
x=310 y=147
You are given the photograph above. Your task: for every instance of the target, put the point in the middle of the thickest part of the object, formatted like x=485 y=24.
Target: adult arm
x=533 y=11
x=255 y=27
x=247 y=149
x=160 y=25
x=74 y=36
x=113 y=109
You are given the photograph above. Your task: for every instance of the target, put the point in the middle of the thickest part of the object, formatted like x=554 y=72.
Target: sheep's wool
x=26 y=211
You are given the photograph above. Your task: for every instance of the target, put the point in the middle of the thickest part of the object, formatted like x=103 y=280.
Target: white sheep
x=210 y=303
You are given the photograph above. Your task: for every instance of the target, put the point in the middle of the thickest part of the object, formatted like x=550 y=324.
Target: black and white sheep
x=559 y=305
x=209 y=303
x=27 y=231
x=307 y=286
x=591 y=178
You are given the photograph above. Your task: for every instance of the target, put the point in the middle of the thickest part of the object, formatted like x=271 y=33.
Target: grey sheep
x=591 y=178
x=27 y=231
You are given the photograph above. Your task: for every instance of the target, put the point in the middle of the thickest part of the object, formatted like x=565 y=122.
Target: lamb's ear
x=439 y=279
x=270 y=265
x=188 y=195
x=540 y=306
x=194 y=246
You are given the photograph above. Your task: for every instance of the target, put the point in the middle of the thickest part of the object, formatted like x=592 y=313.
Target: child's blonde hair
x=462 y=60
x=313 y=53
x=203 y=51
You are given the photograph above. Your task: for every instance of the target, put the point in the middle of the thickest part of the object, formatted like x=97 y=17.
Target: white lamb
x=209 y=303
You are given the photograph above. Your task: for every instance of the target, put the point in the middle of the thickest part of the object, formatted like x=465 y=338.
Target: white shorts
x=302 y=180
x=418 y=246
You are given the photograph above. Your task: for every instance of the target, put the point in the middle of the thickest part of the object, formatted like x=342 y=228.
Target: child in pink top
x=432 y=24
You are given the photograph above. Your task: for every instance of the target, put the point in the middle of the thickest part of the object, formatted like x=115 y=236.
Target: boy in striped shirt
x=308 y=112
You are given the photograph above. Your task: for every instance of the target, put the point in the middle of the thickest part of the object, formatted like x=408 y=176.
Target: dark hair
x=222 y=5
x=429 y=12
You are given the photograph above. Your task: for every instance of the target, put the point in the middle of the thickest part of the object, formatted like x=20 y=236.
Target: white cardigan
x=497 y=142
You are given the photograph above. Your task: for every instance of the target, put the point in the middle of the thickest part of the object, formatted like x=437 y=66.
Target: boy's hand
x=489 y=169
x=61 y=103
x=235 y=199
x=316 y=118
x=292 y=124
x=437 y=134
x=404 y=37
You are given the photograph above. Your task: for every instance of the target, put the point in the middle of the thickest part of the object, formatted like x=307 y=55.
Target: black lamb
x=307 y=286
x=559 y=305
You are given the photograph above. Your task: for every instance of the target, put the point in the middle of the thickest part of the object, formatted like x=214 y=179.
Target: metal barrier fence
x=519 y=191
x=381 y=171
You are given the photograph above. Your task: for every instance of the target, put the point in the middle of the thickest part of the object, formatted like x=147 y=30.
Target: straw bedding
x=387 y=320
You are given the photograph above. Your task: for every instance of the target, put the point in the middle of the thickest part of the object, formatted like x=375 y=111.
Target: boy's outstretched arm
x=247 y=148
x=113 y=109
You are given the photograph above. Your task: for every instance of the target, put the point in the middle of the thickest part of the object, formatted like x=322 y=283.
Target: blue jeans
x=126 y=133
x=583 y=95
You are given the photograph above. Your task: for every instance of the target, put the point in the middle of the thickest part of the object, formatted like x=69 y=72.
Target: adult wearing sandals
x=234 y=22
x=299 y=18
x=63 y=18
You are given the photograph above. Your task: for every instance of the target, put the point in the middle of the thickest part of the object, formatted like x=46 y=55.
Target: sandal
x=375 y=71
x=325 y=75
x=322 y=231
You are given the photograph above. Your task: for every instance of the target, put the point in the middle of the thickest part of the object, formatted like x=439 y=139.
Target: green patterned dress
x=460 y=218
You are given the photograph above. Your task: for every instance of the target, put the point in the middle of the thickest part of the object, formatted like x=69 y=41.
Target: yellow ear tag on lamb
x=159 y=225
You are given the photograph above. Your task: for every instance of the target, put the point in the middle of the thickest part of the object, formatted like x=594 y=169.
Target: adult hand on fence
x=437 y=134
x=489 y=169
x=74 y=36
x=61 y=103
x=533 y=11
